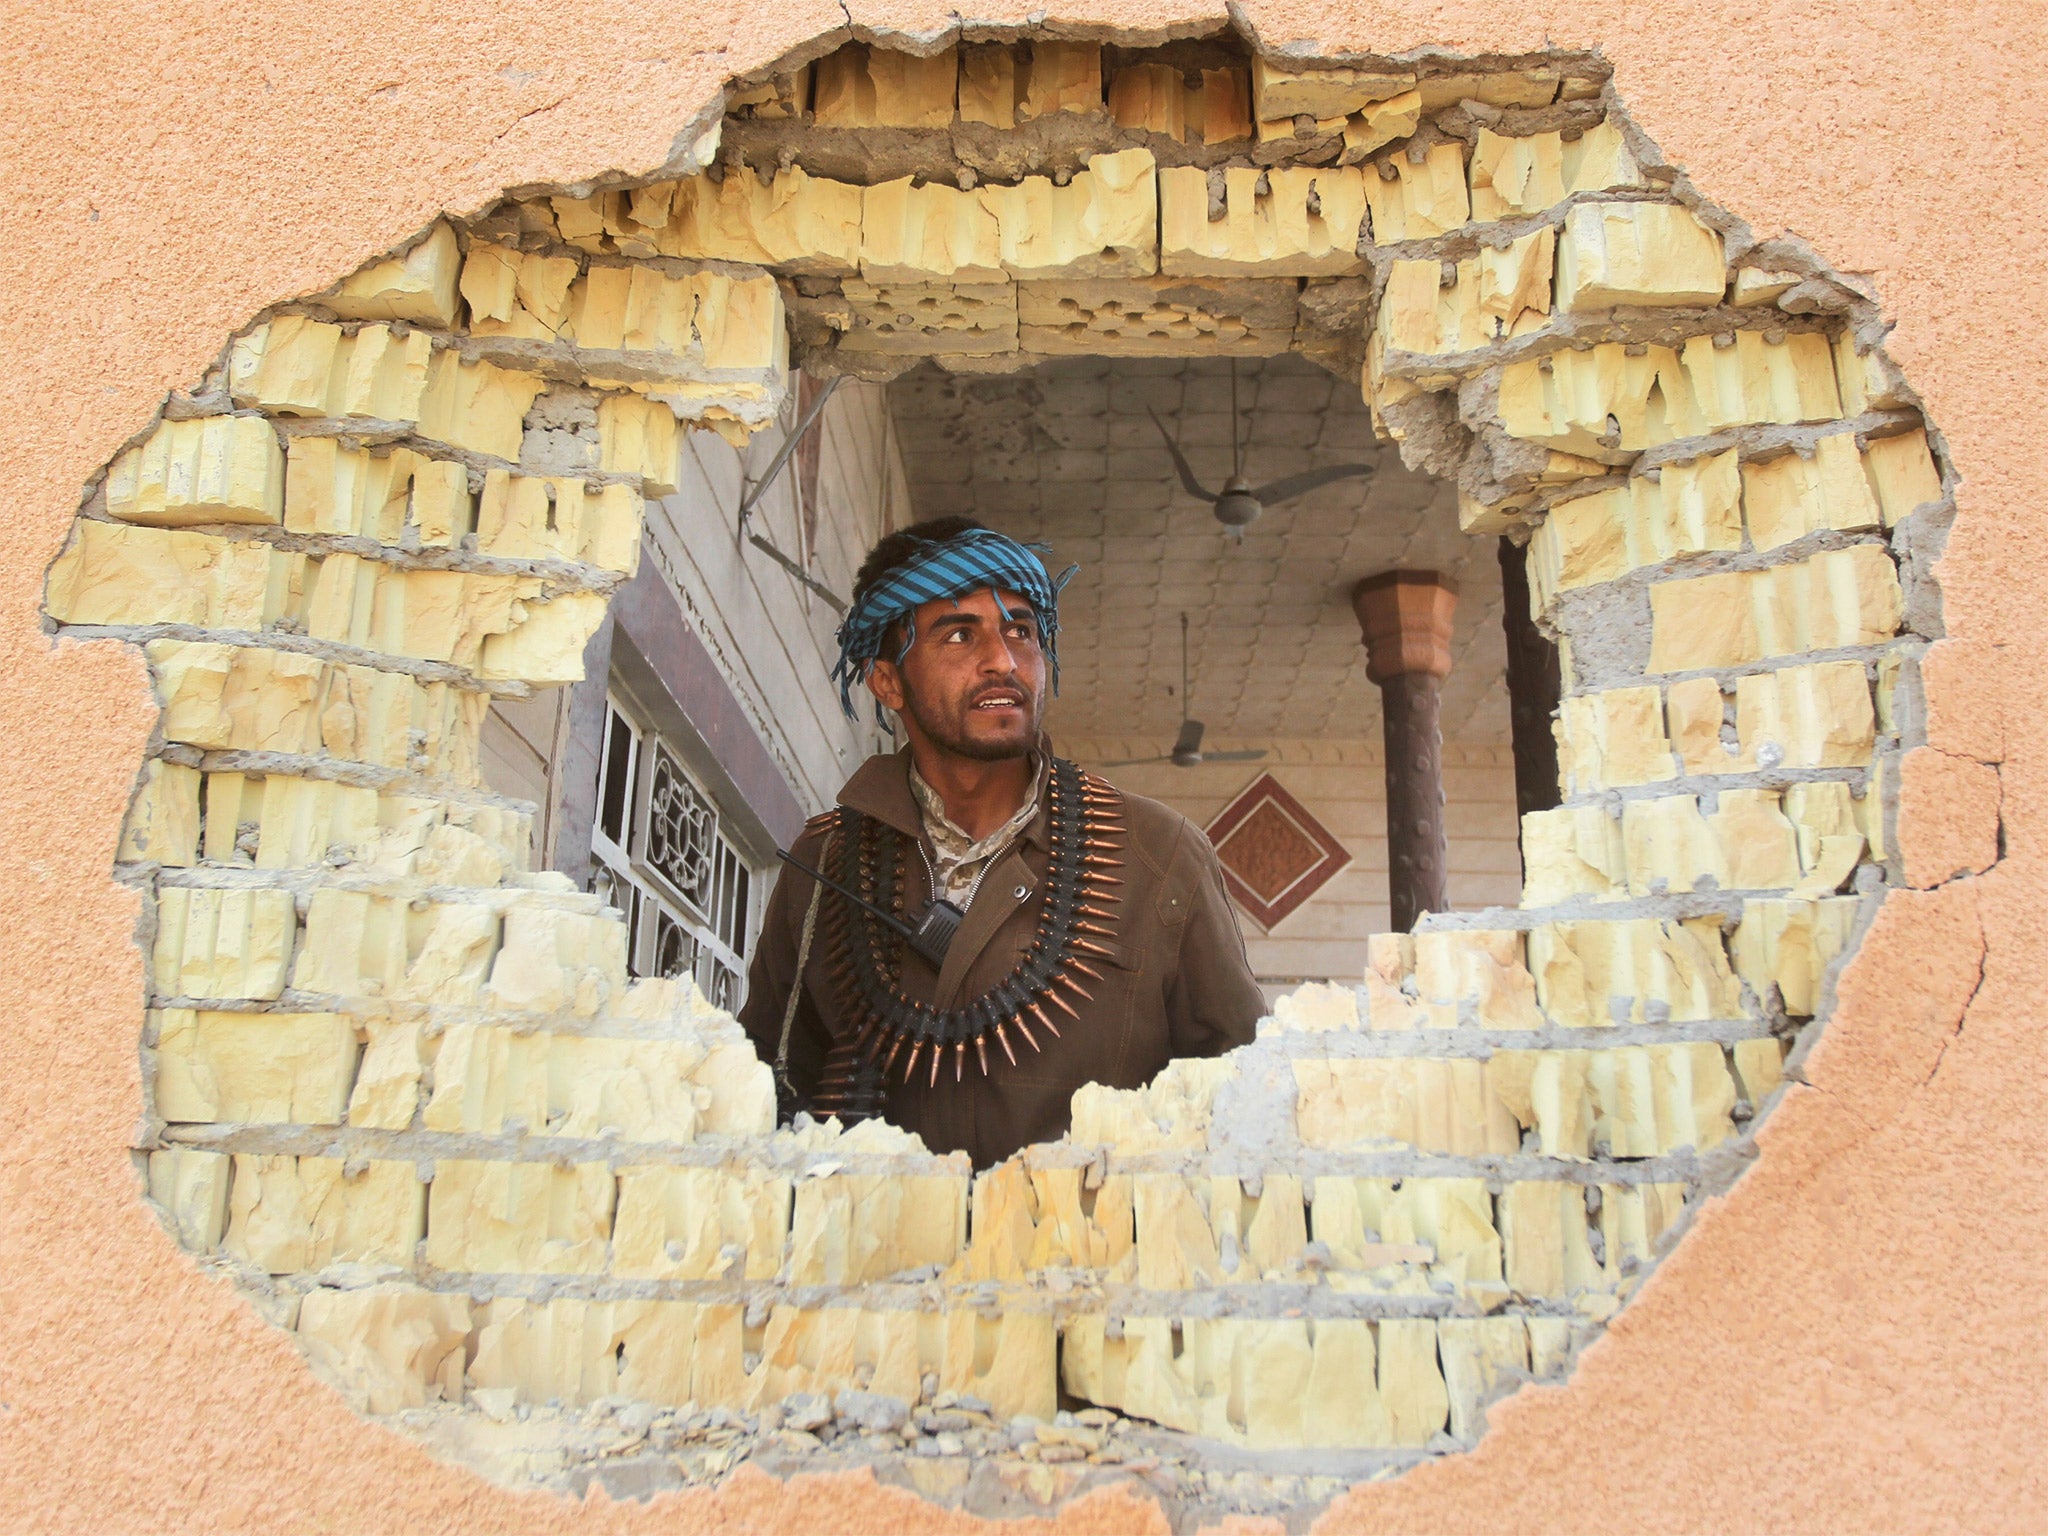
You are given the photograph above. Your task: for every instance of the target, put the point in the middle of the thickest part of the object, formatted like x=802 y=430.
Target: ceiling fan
x=1237 y=505
x=1187 y=746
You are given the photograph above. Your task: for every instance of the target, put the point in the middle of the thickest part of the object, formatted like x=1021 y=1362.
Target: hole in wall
x=400 y=1088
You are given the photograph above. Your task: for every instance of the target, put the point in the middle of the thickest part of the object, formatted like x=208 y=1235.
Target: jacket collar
x=880 y=788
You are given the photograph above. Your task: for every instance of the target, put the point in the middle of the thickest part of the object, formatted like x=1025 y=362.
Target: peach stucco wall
x=1851 y=1340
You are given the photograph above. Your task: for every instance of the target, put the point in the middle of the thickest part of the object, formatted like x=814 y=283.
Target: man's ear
x=885 y=682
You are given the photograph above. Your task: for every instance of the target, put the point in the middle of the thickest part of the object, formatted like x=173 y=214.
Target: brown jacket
x=1178 y=985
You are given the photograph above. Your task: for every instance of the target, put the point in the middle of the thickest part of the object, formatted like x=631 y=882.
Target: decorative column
x=1405 y=617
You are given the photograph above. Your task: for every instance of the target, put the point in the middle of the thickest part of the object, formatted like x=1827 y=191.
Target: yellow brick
x=1865 y=380
x=1757 y=379
x=387 y=1347
x=1613 y=739
x=637 y=436
x=1281 y=90
x=115 y=574
x=1670 y=847
x=386 y=1091
x=1543 y=1230
x=1177 y=1248
x=418 y=286
x=1633 y=1216
x=1819 y=812
x=1379 y=124
x=862 y=87
x=1754 y=287
x=260 y=1068
x=1594 y=973
x=988 y=85
x=192 y=1188
x=333 y=490
x=1842 y=598
x=1422 y=201
x=291 y=1214
x=564 y=1350
x=1477 y=973
x=1902 y=474
x=286 y=365
x=1103 y=223
x=677 y=1223
x=1790 y=496
x=1513 y=176
x=1431 y=1105
x=517 y=294
x=791 y=221
x=1684 y=509
x=553 y=959
x=222 y=943
x=477 y=406
x=1574 y=851
x=1651 y=1100
x=547 y=646
x=380 y=376
x=1598 y=160
x=1474 y=1352
x=519 y=1218
x=1062 y=77
x=1695 y=712
x=1637 y=253
x=1340 y=1404
x=1759 y=850
x=918 y=234
x=1567 y=399
x=1494 y=88
x=300 y=367
x=163 y=821
x=1151 y=98
x=1168 y=1113
x=1547 y=1092
x=1270 y=235
x=1790 y=944
x=218 y=469
x=1760 y=1066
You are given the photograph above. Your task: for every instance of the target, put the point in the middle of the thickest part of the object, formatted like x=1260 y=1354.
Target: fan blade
x=1187 y=475
x=1132 y=762
x=1189 y=740
x=1308 y=480
x=1233 y=757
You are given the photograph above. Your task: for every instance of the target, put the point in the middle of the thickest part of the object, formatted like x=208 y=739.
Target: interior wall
x=771 y=638
x=1343 y=785
x=1839 y=1289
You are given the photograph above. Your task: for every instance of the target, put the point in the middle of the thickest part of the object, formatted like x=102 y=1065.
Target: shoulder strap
x=796 y=987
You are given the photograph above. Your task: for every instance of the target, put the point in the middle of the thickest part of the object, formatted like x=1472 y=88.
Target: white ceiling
x=1065 y=453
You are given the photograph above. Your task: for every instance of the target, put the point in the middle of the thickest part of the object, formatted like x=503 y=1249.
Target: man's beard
x=949 y=736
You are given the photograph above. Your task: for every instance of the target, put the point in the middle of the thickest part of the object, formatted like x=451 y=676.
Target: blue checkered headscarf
x=967 y=562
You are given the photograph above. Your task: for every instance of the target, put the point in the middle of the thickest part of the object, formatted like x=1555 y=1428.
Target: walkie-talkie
x=932 y=936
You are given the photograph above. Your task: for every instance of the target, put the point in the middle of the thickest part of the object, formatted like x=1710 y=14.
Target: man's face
x=973 y=684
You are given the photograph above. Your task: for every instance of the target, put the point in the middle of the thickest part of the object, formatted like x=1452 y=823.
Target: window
x=660 y=856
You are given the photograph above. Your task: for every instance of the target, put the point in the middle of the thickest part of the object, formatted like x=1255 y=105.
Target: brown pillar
x=1405 y=617
x=1534 y=686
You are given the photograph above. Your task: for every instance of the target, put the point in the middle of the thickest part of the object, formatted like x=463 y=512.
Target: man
x=1096 y=943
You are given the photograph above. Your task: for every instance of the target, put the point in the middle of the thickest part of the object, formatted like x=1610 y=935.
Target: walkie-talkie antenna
x=930 y=938
x=855 y=897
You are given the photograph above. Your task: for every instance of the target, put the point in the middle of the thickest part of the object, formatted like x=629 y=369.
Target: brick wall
x=399 y=1088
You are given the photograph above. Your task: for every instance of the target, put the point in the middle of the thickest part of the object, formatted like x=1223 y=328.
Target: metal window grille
x=660 y=857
